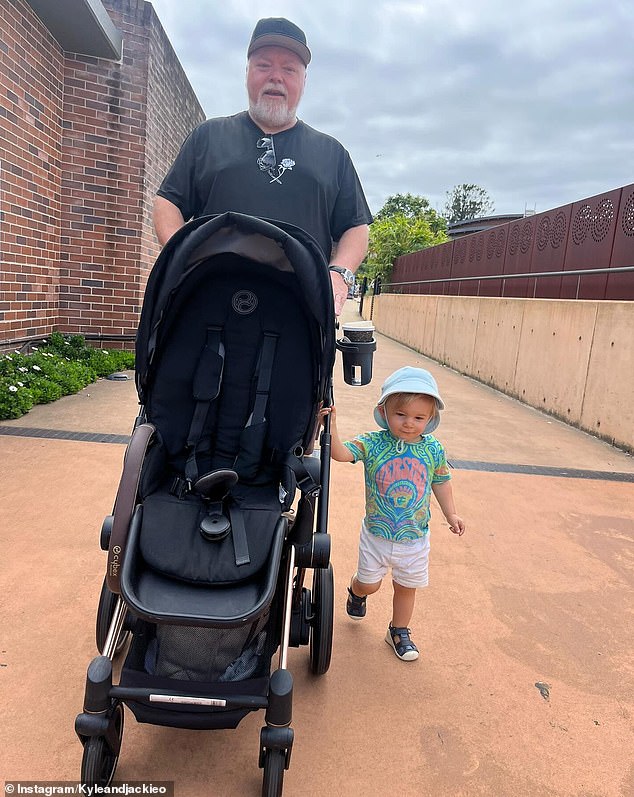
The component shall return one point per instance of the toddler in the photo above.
(404, 463)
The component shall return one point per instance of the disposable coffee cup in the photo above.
(359, 331)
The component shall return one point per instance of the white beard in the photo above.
(271, 113)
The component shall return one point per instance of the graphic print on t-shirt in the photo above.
(402, 484)
(398, 485)
(268, 161)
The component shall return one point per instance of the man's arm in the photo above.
(167, 218)
(351, 248)
(348, 253)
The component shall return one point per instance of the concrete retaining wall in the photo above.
(572, 359)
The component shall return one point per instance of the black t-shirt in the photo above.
(227, 164)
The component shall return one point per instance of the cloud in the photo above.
(533, 101)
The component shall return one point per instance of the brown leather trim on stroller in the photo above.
(126, 502)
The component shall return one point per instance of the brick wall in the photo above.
(85, 144)
(172, 112)
(114, 157)
(31, 89)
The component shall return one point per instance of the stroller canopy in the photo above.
(274, 245)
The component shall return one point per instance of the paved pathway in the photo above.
(525, 685)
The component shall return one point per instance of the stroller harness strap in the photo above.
(239, 535)
(252, 438)
(206, 387)
(264, 378)
(307, 479)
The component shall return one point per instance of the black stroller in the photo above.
(207, 552)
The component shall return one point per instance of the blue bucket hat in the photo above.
(410, 380)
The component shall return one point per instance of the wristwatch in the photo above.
(348, 276)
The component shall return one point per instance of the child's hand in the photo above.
(338, 450)
(327, 411)
(456, 524)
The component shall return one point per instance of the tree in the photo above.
(393, 236)
(405, 223)
(467, 201)
(411, 207)
(406, 205)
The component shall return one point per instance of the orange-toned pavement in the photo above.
(525, 683)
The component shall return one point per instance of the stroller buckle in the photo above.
(215, 527)
(181, 487)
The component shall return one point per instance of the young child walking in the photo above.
(403, 463)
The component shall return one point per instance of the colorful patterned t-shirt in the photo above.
(398, 483)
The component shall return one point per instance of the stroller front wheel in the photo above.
(99, 761)
(274, 765)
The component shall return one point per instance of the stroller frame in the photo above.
(132, 603)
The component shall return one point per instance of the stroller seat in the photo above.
(230, 387)
(157, 597)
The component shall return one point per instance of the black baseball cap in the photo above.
(279, 32)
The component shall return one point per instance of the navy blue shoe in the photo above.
(355, 606)
(401, 644)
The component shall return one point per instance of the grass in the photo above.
(59, 366)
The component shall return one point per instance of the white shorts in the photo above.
(409, 561)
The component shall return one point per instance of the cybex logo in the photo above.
(244, 302)
(115, 561)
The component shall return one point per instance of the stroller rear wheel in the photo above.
(99, 761)
(105, 613)
(274, 765)
(321, 621)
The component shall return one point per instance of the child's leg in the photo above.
(370, 572)
(371, 565)
(361, 590)
(398, 630)
(402, 605)
(409, 572)
(358, 591)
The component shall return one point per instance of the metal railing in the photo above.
(391, 287)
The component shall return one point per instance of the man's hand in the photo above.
(339, 291)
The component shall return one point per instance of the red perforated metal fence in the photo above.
(594, 233)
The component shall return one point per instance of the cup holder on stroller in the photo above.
(213, 487)
(357, 348)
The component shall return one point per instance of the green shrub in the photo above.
(45, 390)
(106, 361)
(12, 364)
(60, 366)
(15, 398)
(70, 375)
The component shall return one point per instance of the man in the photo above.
(266, 162)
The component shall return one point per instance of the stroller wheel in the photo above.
(105, 613)
(274, 765)
(321, 622)
(99, 762)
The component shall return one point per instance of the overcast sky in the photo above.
(533, 100)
